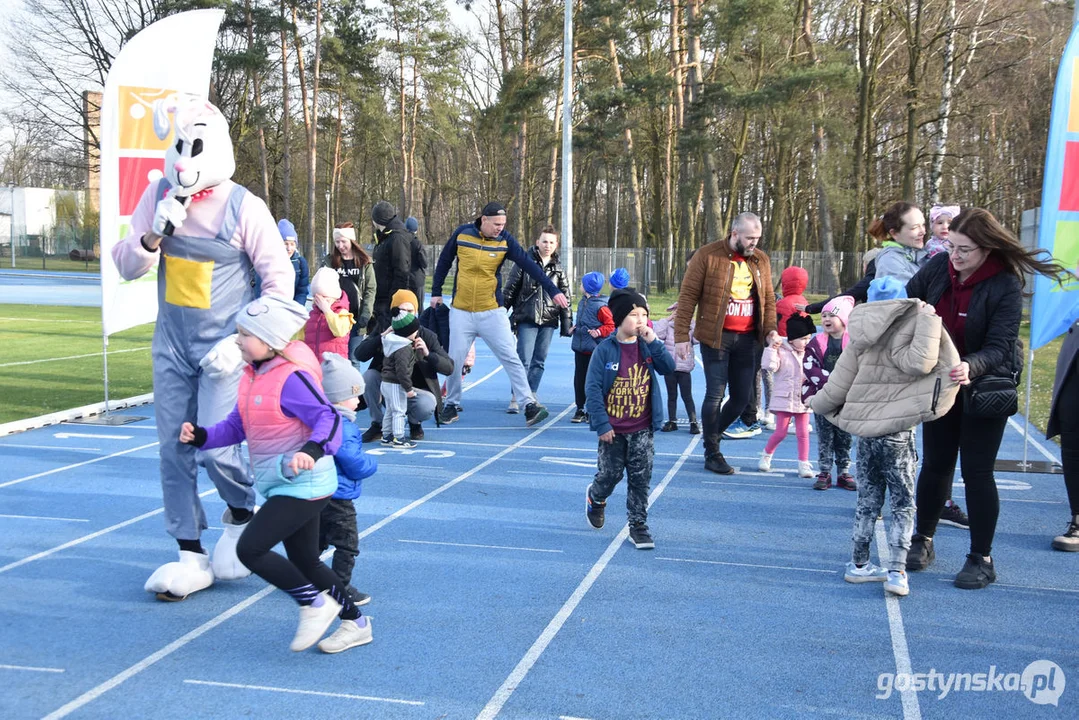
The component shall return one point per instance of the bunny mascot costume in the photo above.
(207, 233)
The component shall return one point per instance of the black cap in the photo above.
(799, 325)
(493, 209)
(622, 302)
(383, 212)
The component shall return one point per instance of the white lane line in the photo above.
(470, 545)
(463, 442)
(382, 465)
(748, 565)
(548, 475)
(757, 485)
(1010, 586)
(16, 481)
(96, 692)
(47, 447)
(28, 668)
(517, 676)
(42, 517)
(50, 321)
(571, 717)
(86, 538)
(1037, 445)
(71, 357)
(292, 691)
(911, 709)
(485, 378)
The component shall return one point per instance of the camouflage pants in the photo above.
(630, 454)
(337, 527)
(832, 442)
(885, 463)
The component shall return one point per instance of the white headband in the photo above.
(348, 233)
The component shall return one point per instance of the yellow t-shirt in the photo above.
(740, 306)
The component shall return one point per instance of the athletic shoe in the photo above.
(921, 553)
(372, 433)
(756, 428)
(669, 426)
(845, 481)
(358, 598)
(402, 444)
(694, 428)
(387, 440)
(977, 572)
(1069, 541)
(593, 509)
(579, 417)
(824, 481)
(640, 537)
(769, 421)
(448, 416)
(534, 413)
(738, 431)
(415, 431)
(718, 464)
(805, 469)
(514, 408)
(953, 515)
(314, 622)
(867, 573)
(897, 584)
(765, 463)
(349, 634)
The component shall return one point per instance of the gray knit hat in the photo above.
(382, 213)
(272, 319)
(340, 381)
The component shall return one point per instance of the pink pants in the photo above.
(801, 430)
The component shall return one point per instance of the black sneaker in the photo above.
(953, 515)
(593, 509)
(358, 598)
(534, 413)
(448, 416)
(415, 431)
(579, 417)
(372, 433)
(694, 428)
(717, 464)
(976, 573)
(921, 554)
(640, 537)
(669, 426)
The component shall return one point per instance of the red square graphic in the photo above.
(135, 173)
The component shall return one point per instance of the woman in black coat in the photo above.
(533, 313)
(1064, 421)
(977, 289)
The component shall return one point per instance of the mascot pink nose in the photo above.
(180, 166)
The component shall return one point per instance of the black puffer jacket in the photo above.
(393, 265)
(992, 327)
(528, 301)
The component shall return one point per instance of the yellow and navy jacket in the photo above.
(478, 284)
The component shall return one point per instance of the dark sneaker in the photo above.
(921, 554)
(824, 481)
(669, 426)
(953, 515)
(976, 573)
(579, 417)
(415, 431)
(694, 428)
(372, 433)
(358, 598)
(534, 413)
(845, 481)
(1069, 541)
(594, 510)
(448, 416)
(400, 444)
(640, 537)
(387, 439)
(717, 464)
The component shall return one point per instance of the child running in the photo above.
(343, 385)
(681, 379)
(625, 408)
(894, 375)
(821, 356)
(784, 360)
(399, 360)
(292, 431)
(593, 323)
(330, 323)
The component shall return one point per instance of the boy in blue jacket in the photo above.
(343, 385)
(624, 399)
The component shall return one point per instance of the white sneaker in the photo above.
(314, 622)
(514, 408)
(896, 583)
(765, 464)
(769, 421)
(805, 469)
(349, 634)
(868, 573)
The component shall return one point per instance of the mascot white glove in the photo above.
(169, 210)
(223, 360)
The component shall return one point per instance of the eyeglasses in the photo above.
(961, 251)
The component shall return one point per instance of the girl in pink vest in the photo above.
(292, 432)
(331, 322)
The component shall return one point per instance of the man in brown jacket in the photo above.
(730, 284)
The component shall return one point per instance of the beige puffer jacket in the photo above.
(894, 375)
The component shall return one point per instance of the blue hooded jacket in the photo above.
(353, 465)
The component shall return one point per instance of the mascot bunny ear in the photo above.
(162, 121)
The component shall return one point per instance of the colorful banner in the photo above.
(174, 55)
(1056, 308)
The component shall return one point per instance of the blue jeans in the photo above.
(731, 365)
(533, 342)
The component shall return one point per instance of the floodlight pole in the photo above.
(567, 141)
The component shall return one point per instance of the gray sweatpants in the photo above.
(396, 407)
(885, 463)
(494, 327)
(420, 408)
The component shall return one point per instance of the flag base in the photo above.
(1040, 467)
(108, 419)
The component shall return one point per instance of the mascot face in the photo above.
(201, 154)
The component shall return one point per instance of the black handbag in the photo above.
(991, 396)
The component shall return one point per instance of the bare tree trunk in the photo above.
(868, 54)
(307, 123)
(312, 141)
(520, 162)
(401, 109)
(286, 122)
(914, 59)
(635, 217)
(410, 196)
(263, 166)
(552, 177)
(712, 208)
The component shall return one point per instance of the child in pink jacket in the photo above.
(330, 323)
(785, 360)
(680, 379)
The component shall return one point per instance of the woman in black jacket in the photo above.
(533, 313)
(977, 289)
(393, 258)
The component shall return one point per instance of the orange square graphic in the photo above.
(137, 118)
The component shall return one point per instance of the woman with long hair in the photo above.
(357, 275)
(977, 289)
(901, 233)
